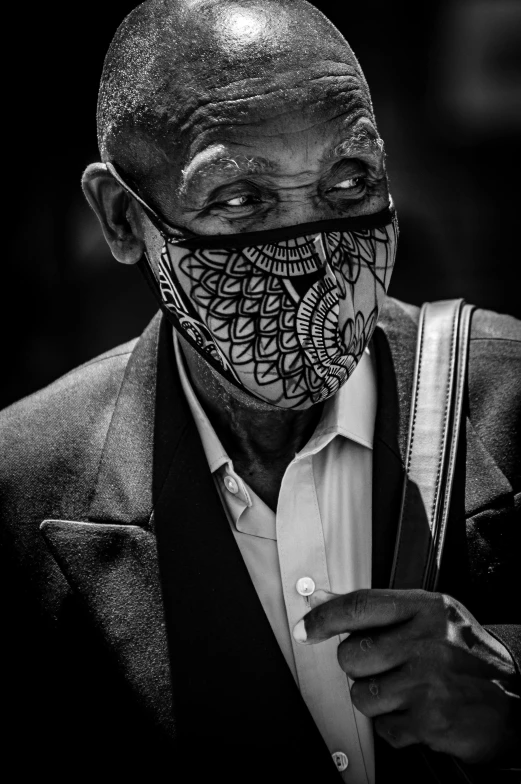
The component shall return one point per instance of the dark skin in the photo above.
(261, 452)
(423, 669)
(288, 157)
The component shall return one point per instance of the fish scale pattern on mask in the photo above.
(289, 320)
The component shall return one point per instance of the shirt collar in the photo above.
(213, 449)
(350, 413)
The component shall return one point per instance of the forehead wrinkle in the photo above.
(196, 96)
(312, 95)
(352, 116)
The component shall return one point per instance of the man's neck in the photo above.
(260, 439)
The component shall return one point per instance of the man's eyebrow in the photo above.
(360, 143)
(226, 165)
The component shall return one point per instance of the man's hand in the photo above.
(423, 668)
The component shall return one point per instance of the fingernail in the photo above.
(299, 632)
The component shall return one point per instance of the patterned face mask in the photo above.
(284, 314)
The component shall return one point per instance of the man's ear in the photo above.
(116, 213)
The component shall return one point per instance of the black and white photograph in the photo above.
(260, 415)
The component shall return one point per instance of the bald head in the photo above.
(232, 116)
(171, 61)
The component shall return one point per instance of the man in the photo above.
(173, 510)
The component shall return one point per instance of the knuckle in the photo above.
(450, 608)
(438, 611)
(356, 653)
(357, 605)
(366, 643)
(454, 610)
(446, 605)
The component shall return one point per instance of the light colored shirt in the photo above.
(321, 531)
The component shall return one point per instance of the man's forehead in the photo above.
(327, 95)
(182, 68)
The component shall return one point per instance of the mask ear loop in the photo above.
(151, 214)
(150, 277)
(144, 264)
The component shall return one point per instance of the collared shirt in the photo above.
(319, 537)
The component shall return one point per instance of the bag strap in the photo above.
(436, 417)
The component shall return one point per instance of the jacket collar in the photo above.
(149, 420)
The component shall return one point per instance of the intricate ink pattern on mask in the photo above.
(288, 321)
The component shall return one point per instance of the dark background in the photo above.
(446, 84)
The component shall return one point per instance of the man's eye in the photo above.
(236, 205)
(239, 201)
(352, 182)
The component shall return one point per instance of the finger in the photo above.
(374, 651)
(396, 729)
(320, 596)
(363, 609)
(381, 694)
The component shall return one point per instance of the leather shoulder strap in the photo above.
(436, 414)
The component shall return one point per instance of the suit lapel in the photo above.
(111, 561)
(137, 454)
(162, 577)
(114, 569)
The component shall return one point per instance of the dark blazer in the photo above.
(134, 642)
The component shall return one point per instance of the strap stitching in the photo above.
(443, 443)
(463, 335)
(407, 495)
(415, 412)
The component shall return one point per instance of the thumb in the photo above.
(320, 596)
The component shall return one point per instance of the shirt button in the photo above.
(231, 485)
(340, 760)
(305, 586)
